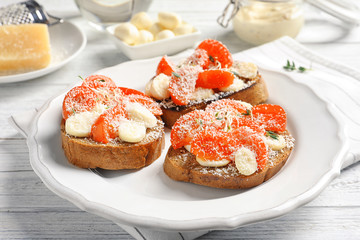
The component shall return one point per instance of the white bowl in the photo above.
(156, 48)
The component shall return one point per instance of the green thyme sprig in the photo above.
(272, 135)
(292, 67)
(176, 74)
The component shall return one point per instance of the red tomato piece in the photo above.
(99, 81)
(128, 91)
(79, 99)
(199, 57)
(211, 144)
(105, 127)
(148, 102)
(165, 66)
(215, 78)
(182, 84)
(217, 52)
(186, 126)
(272, 117)
(227, 105)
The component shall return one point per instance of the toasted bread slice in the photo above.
(181, 165)
(255, 93)
(115, 155)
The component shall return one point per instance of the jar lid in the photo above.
(345, 10)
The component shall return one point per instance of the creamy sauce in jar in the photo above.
(260, 22)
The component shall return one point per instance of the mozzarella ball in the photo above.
(183, 28)
(127, 33)
(144, 37)
(169, 20)
(156, 28)
(141, 20)
(164, 34)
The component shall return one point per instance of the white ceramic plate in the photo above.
(66, 41)
(157, 48)
(148, 198)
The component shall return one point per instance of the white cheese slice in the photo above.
(130, 131)
(237, 85)
(245, 69)
(159, 87)
(202, 93)
(276, 144)
(79, 125)
(212, 163)
(245, 161)
(139, 113)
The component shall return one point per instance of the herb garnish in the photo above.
(291, 67)
(211, 58)
(247, 113)
(272, 135)
(80, 77)
(175, 74)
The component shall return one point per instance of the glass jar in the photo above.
(261, 21)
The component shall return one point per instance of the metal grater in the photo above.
(26, 12)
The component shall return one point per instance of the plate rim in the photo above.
(197, 224)
(20, 77)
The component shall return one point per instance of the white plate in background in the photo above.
(148, 198)
(66, 41)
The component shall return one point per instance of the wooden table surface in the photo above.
(28, 210)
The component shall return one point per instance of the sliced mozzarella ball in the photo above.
(160, 87)
(156, 28)
(212, 163)
(237, 85)
(187, 147)
(144, 37)
(183, 28)
(79, 125)
(127, 33)
(130, 131)
(139, 113)
(148, 88)
(245, 161)
(164, 34)
(245, 69)
(276, 144)
(202, 93)
(169, 20)
(141, 20)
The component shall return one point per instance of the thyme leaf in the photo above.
(292, 67)
(272, 135)
(176, 74)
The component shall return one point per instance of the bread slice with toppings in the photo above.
(110, 127)
(84, 152)
(209, 74)
(253, 92)
(231, 144)
(181, 165)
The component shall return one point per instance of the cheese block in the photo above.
(23, 48)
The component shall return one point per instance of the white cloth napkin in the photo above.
(334, 82)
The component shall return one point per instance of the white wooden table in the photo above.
(28, 210)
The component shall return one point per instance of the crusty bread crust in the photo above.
(181, 165)
(255, 94)
(86, 153)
